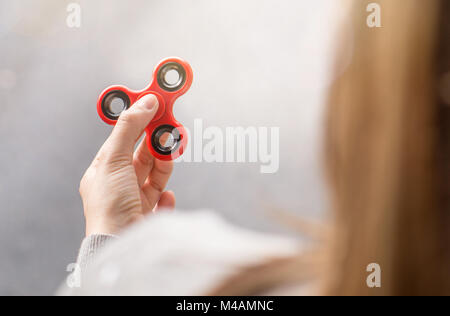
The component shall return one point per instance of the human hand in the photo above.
(122, 185)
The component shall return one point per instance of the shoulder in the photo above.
(180, 253)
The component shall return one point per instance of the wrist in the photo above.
(101, 227)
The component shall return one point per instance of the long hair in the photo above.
(384, 156)
(387, 160)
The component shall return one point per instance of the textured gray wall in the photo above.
(256, 63)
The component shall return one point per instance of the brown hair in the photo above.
(383, 157)
(387, 151)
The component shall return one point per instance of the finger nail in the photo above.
(149, 101)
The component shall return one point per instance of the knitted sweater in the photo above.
(173, 254)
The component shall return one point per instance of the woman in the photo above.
(387, 155)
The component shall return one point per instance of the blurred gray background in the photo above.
(256, 63)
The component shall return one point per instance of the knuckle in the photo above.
(145, 159)
(127, 117)
(157, 186)
(166, 169)
(169, 167)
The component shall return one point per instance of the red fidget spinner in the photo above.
(166, 137)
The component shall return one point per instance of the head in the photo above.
(387, 153)
(387, 160)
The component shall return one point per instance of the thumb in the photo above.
(132, 123)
